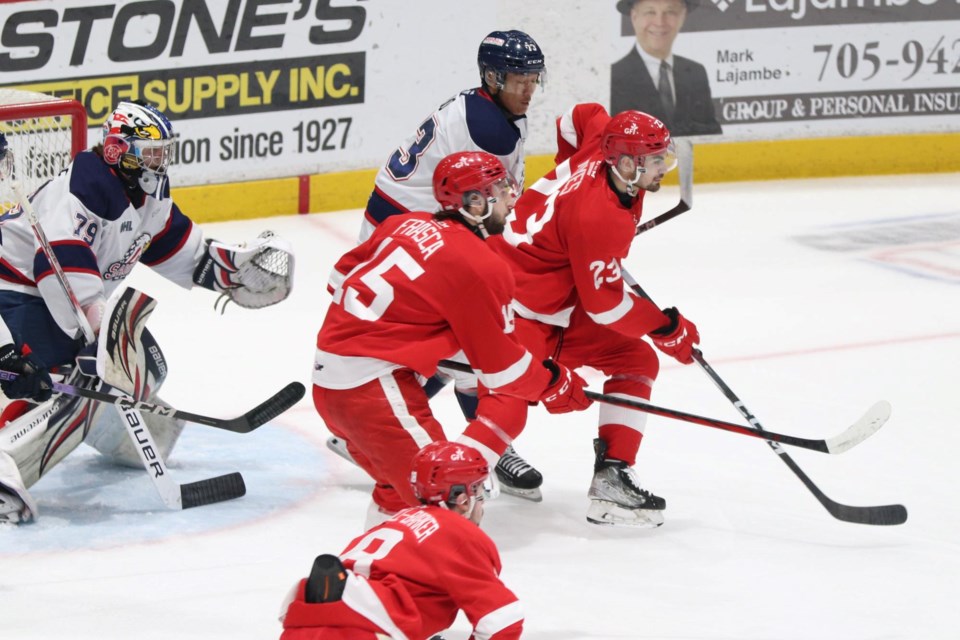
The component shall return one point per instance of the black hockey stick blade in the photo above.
(212, 490)
(880, 515)
(256, 417)
(265, 411)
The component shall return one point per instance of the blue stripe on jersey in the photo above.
(96, 186)
(379, 207)
(10, 274)
(489, 126)
(73, 255)
(170, 240)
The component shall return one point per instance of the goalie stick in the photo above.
(251, 420)
(173, 494)
(890, 514)
(868, 424)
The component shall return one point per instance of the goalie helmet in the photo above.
(443, 470)
(463, 173)
(504, 52)
(138, 140)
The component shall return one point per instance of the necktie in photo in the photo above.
(665, 89)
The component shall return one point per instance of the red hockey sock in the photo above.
(622, 442)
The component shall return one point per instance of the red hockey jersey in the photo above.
(570, 234)
(410, 576)
(418, 291)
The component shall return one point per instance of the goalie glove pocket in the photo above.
(253, 275)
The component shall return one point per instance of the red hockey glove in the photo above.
(677, 338)
(565, 392)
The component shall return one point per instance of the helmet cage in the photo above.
(138, 138)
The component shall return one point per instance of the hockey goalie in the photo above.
(109, 210)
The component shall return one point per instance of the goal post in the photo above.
(42, 134)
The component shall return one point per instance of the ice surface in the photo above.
(813, 299)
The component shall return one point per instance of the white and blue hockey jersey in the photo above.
(98, 234)
(470, 121)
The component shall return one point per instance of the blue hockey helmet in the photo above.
(504, 52)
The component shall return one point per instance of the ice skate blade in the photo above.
(533, 495)
(339, 447)
(610, 514)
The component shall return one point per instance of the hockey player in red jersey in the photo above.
(490, 118)
(422, 288)
(573, 228)
(408, 577)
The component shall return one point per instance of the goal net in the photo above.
(40, 135)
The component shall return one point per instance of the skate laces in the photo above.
(513, 463)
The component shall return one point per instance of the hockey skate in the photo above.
(339, 447)
(616, 497)
(517, 477)
(12, 509)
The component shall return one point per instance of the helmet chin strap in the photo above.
(478, 220)
(632, 187)
(148, 181)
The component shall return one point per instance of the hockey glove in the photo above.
(33, 381)
(254, 275)
(677, 338)
(565, 391)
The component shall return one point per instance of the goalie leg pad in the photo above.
(42, 437)
(127, 356)
(16, 503)
(253, 275)
(109, 436)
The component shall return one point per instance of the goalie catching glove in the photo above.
(254, 275)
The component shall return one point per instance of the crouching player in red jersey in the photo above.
(408, 577)
(572, 230)
(422, 288)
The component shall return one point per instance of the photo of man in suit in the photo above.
(653, 80)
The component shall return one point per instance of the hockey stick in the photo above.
(27, 206)
(866, 426)
(173, 494)
(685, 169)
(251, 420)
(889, 514)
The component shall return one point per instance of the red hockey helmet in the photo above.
(635, 134)
(443, 470)
(460, 173)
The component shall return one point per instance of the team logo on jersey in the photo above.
(122, 267)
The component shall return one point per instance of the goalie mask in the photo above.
(138, 140)
(639, 143)
(443, 471)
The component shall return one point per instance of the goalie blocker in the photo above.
(253, 275)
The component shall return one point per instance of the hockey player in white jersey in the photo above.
(491, 118)
(109, 210)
